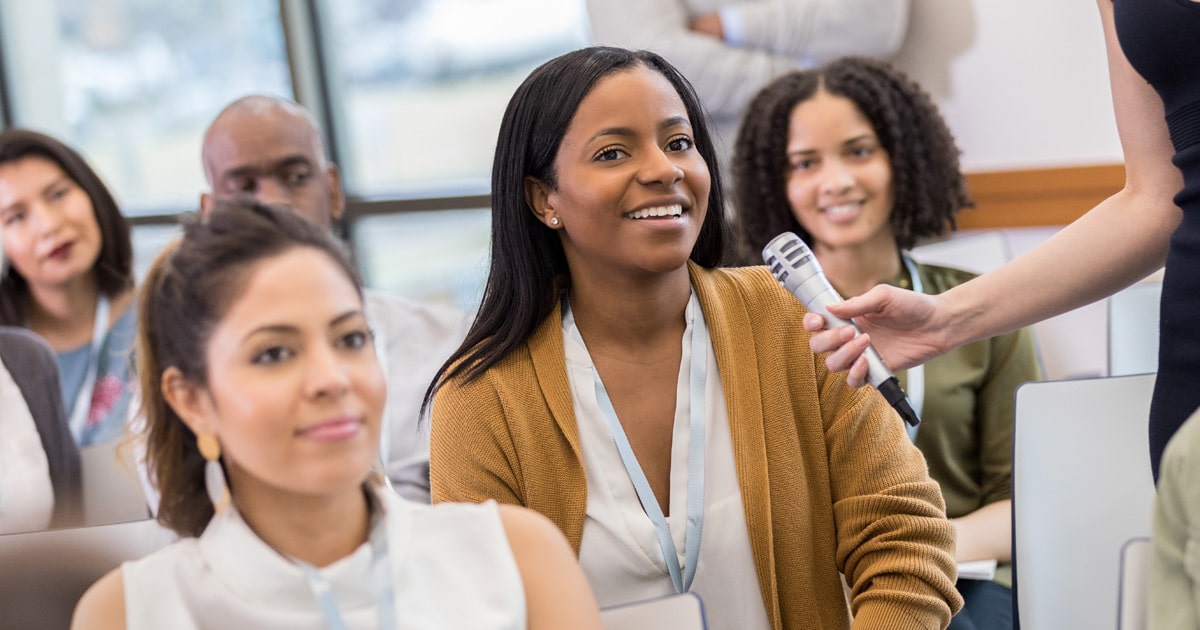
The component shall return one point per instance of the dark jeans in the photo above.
(987, 606)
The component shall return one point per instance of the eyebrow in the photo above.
(57, 181)
(250, 170)
(801, 152)
(673, 121)
(288, 329)
(20, 203)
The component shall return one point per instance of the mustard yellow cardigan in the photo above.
(829, 480)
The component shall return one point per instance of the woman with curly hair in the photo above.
(855, 159)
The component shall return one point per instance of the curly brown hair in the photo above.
(929, 186)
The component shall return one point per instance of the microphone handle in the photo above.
(880, 377)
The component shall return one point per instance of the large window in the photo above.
(133, 83)
(410, 93)
(437, 256)
(421, 85)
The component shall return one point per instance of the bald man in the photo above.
(270, 149)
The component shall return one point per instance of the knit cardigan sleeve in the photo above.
(510, 435)
(892, 540)
(472, 457)
(894, 543)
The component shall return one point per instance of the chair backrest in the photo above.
(1135, 579)
(112, 492)
(43, 574)
(1081, 488)
(676, 612)
(1133, 329)
(978, 252)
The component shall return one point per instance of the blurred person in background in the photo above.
(68, 276)
(729, 49)
(1174, 589)
(270, 150)
(40, 483)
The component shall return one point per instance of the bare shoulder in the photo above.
(557, 594)
(102, 606)
(527, 528)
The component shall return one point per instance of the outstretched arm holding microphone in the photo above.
(1120, 241)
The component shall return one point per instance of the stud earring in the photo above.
(554, 221)
(214, 476)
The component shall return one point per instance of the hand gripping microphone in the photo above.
(797, 269)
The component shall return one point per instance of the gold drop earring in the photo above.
(214, 475)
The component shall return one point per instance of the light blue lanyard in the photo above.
(695, 479)
(916, 375)
(381, 575)
(83, 400)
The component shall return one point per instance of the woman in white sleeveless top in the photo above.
(263, 398)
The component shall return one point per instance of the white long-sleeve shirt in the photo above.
(775, 37)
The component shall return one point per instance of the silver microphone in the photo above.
(797, 269)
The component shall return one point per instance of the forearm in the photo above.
(985, 534)
(1117, 243)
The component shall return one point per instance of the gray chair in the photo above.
(1135, 582)
(112, 492)
(1081, 489)
(43, 574)
(1133, 329)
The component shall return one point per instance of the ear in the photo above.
(206, 204)
(337, 197)
(539, 197)
(189, 401)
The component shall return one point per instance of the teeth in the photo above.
(661, 211)
(842, 209)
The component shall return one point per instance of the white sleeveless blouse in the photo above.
(451, 568)
(26, 493)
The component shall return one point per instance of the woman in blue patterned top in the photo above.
(68, 276)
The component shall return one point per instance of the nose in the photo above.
(659, 168)
(327, 373)
(836, 178)
(47, 220)
(270, 191)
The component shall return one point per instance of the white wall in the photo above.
(1023, 83)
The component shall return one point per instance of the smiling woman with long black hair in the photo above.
(667, 415)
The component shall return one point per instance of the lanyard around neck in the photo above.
(381, 576)
(915, 386)
(681, 579)
(83, 399)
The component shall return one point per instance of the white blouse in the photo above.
(26, 493)
(620, 553)
(451, 567)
